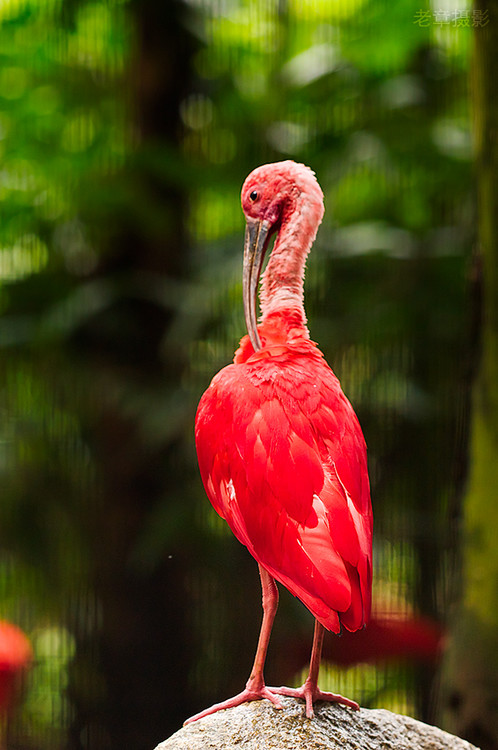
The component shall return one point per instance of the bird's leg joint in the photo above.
(269, 593)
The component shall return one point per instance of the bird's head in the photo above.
(271, 194)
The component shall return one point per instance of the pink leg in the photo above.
(255, 688)
(310, 690)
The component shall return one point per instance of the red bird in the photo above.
(281, 453)
(16, 656)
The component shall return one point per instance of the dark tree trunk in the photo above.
(471, 669)
(142, 635)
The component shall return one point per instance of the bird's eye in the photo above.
(253, 196)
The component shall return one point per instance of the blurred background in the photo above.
(126, 131)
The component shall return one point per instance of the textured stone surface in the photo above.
(259, 726)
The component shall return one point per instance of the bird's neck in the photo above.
(283, 280)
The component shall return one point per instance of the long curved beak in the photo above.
(255, 244)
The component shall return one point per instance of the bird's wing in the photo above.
(287, 470)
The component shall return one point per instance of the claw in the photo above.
(308, 692)
(249, 694)
(312, 694)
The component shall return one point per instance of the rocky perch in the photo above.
(259, 726)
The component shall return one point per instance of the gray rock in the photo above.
(259, 726)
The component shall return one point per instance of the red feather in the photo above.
(283, 460)
(281, 452)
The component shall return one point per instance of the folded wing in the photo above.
(289, 475)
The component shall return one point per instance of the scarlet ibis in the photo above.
(16, 656)
(390, 637)
(281, 452)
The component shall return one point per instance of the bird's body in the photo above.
(281, 453)
(282, 458)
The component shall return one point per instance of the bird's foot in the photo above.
(250, 693)
(311, 693)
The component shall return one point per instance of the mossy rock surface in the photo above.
(259, 726)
